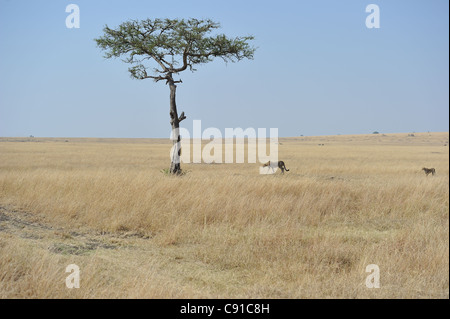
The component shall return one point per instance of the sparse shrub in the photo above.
(166, 172)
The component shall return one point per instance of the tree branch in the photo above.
(159, 62)
(182, 117)
(156, 78)
(185, 62)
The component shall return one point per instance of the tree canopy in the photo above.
(174, 44)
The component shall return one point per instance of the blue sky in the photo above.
(318, 70)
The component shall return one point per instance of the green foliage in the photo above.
(166, 172)
(173, 44)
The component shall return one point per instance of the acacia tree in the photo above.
(173, 46)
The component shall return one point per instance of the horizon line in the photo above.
(87, 137)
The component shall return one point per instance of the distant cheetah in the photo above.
(279, 164)
(428, 171)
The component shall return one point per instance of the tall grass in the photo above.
(226, 231)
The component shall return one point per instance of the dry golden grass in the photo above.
(224, 230)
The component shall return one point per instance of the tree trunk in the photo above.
(175, 167)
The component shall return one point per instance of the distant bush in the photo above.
(376, 132)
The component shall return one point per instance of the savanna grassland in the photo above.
(224, 230)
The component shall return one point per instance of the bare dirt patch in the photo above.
(28, 226)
